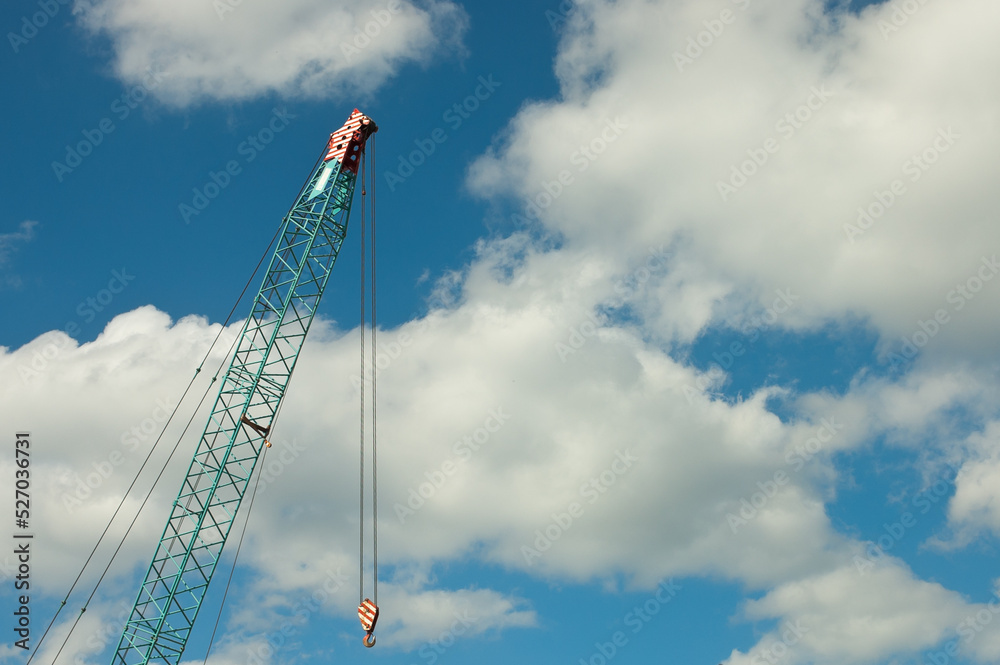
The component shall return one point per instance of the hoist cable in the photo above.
(361, 484)
(143, 466)
(374, 401)
(368, 364)
(253, 495)
(128, 530)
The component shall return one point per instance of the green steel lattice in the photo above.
(314, 229)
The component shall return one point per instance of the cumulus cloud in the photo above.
(846, 616)
(586, 468)
(234, 50)
(104, 405)
(974, 508)
(843, 111)
(785, 149)
(546, 420)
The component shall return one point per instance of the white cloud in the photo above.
(439, 615)
(665, 138)
(975, 506)
(236, 49)
(803, 117)
(846, 617)
(881, 102)
(105, 402)
(561, 433)
(550, 432)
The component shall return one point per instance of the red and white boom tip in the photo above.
(347, 143)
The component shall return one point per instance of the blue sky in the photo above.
(708, 285)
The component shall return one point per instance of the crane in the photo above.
(245, 410)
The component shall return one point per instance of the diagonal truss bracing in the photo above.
(201, 517)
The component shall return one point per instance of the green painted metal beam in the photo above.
(200, 520)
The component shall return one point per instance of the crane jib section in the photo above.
(251, 392)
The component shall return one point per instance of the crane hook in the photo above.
(368, 613)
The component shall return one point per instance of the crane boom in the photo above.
(251, 392)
